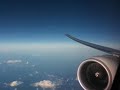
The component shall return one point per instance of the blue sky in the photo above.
(46, 21)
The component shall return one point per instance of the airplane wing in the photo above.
(95, 46)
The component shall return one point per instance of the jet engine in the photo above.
(97, 73)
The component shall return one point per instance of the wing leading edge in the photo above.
(95, 46)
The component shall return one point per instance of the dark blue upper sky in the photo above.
(49, 20)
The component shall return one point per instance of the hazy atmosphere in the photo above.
(35, 54)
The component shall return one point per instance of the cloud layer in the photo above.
(13, 61)
(15, 83)
(45, 84)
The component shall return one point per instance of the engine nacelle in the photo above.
(97, 73)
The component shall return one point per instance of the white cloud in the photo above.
(36, 72)
(33, 65)
(31, 75)
(45, 84)
(27, 62)
(13, 61)
(15, 83)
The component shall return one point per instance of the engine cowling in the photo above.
(97, 73)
